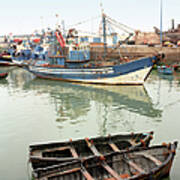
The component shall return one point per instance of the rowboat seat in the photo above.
(114, 147)
(152, 158)
(135, 166)
(66, 149)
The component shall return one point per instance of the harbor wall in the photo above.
(172, 54)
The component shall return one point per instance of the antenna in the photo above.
(57, 22)
(101, 6)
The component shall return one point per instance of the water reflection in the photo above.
(58, 110)
(164, 89)
(73, 100)
(3, 82)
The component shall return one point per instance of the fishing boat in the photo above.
(165, 70)
(57, 152)
(3, 75)
(6, 60)
(77, 66)
(136, 164)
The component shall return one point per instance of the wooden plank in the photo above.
(132, 142)
(114, 147)
(31, 158)
(152, 158)
(74, 153)
(111, 171)
(92, 147)
(59, 173)
(103, 163)
(86, 174)
(56, 149)
(135, 166)
(71, 149)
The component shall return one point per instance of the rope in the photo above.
(118, 26)
(84, 21)
(123, 26)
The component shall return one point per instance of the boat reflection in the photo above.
(74, 100)
(3, 82)
(106, 106)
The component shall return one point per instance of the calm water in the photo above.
(34, 110)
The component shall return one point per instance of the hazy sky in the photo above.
(22, 16)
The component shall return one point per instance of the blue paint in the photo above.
(133, 66)
(115, 71)
(80, 55)
(115, 39)
(96, 39)
(84, 39)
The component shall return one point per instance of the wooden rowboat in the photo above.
(42, 155)
(135, 164)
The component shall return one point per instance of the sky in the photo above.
(23, 17)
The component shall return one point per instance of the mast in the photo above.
(104, 34)
(161, 28)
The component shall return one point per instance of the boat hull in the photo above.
(6, 61)
(134, 72)
(41, 155)
(137, 164)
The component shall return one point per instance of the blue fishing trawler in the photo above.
(77, 66)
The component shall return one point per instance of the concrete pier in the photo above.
(172, 54)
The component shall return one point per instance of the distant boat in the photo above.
(3, 75)
(176, 67)
(165, 70)
(6, 60)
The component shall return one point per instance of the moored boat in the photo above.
(6, 60)
(176, 67)
(165, 70)
(136, 164)
(131, 73)
(42, 155)
(78, 66)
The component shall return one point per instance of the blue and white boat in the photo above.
(78, 67)
(134, 72)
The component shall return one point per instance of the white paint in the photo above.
(136, 77)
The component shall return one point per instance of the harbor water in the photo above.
(34, 110)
